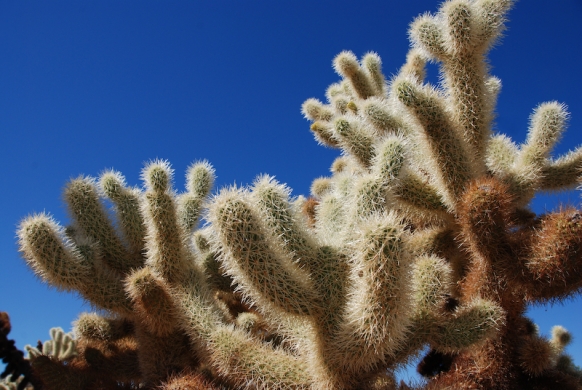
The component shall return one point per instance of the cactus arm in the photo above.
(428, 38)
(199, 182)
(244, 361)
(562, 173)
(418, 195)
(252, 262)
(272, 200)
(389, 160)
(415, 65)
(356, 139)
(547, 125)
(448, 331)
(346, 64)
(152, 301)
(484, 216)
(376, 112)
(457, 37)
(315, 110)
(200, 179)
(447, 153)
(554, 257)
(468, 326)
(548, 267)
(188, 208)
(548, 122)
(492, 90)
(324, 134)
(465, 78)
(95, 327)
(165, 237)
(324, 267)
(378, 303)
(373, 68)
(490, 21)
(501, 155)
(237, 358)
(331, 219)
(50, 255)
(82, 198)
(370, 192)
(127, 211)
(66, 266)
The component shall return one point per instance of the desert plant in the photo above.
(61, 346)
(463, 191)
(421, 237)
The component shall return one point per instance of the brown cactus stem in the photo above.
(484, 217)
(495, 245)
(554, 257)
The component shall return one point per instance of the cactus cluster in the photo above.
(61, 346)
(421, 238)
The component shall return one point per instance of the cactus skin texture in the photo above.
(420, 238)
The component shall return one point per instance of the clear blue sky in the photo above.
(90, 85)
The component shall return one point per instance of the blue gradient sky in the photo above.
(90, 85)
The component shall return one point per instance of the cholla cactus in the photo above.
(420, 237)
(352, 310)
(164, 318)
(61, 346)
(461, 191)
